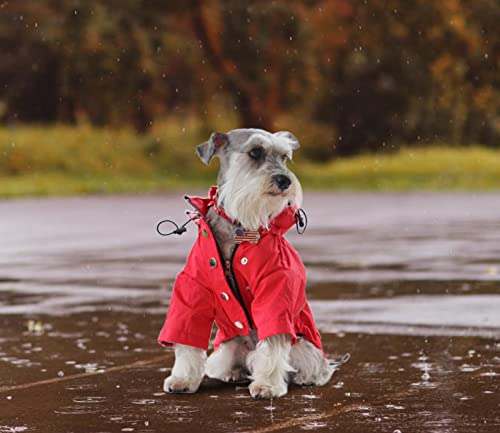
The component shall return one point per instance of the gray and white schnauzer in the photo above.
(245, 276)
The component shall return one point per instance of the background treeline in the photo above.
(345, 75)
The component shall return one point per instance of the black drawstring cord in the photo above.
(178, 230)
(300, 221)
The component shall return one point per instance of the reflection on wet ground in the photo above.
(409, 285)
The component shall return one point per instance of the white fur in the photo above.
(279, 143)
(248, 196)
(270, 367)
(228, 362)
(312, 368)
(188, 370)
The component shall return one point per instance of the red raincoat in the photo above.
(269, 294)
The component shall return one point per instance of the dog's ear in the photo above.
(208, 149)
(294, 142)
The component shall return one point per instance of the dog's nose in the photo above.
(282, 181)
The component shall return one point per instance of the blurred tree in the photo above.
(396, 73)
(253, 47)
(355, 76)
(110, 62)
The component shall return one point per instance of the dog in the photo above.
(245, 276)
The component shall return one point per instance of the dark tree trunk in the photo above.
(251, 110)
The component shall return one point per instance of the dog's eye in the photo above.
(256, 153)
(285, 158)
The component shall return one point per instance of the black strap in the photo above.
(300, 221)
(178, 230)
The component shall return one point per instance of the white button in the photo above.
(239, 324)
(224, 296)
(244, 261)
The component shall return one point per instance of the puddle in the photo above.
(314, 425)
(408, 284)
(90, 400)
(451, 315)
(145, 401)
(13, 429)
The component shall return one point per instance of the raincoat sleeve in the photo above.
(190, 315)
(273, 305)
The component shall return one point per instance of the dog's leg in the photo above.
(188, 370)
(227, 363)
(269, 365)
(312, 368)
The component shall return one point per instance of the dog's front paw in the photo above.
(266, 390)
(185, 385)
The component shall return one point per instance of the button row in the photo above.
(213, 261)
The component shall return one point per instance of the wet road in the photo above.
(408, 284)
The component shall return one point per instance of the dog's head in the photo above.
(255, 184)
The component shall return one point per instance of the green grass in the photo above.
(418, 168)
(62, 160)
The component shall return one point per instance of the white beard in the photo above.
(246, 198)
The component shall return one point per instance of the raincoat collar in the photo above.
(279, 225)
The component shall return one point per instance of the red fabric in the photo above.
(271, 283)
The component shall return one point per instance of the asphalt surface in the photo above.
(408, 284)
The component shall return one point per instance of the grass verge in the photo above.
(64, 160)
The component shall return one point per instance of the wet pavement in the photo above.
(408, 284)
